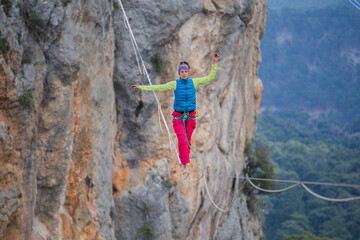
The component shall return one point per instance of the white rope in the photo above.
(195, 180)
(355, 3)
(133, 45)
(305, 182)
(290, 181)
(159, 108)
(307, 189)
(129, 28)
(296, 183)
(272, 191)
(140, 59)
(330, 199)
(232, 202)
(137, 59)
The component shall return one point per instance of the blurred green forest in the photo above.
(310, 119)
(307, 149)
(306, 236)
(311, 62)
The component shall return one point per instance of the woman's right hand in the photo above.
(134, 87)
(215, 58)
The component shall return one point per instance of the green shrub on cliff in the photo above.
(26, 60)
(28, 100)
(146, 232)
(258, 164)
(7, 5)
(4, 46)
(168, 184)
(157, 62)
(65, 2)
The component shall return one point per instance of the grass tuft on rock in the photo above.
(168, 184)
(146, 232)
(65, 2)
(157, 62)
(4, 46)
(6, 5)
(26, 60)
(28, 100)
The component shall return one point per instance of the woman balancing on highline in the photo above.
(184, 106)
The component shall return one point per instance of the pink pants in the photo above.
(190, 125)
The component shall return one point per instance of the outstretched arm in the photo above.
(156, 88)
(198, 81)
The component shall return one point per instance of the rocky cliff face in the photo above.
(82, 155)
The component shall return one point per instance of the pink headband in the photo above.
(183, 67)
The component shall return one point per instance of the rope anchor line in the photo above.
(303, 184)
(247, 179)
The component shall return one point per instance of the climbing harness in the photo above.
(184, 118)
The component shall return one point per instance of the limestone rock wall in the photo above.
(82, 155)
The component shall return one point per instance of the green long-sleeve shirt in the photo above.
(172, 85)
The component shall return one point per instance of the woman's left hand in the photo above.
(215, 58)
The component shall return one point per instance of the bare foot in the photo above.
(184, 168)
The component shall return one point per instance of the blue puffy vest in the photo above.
(185, 95)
